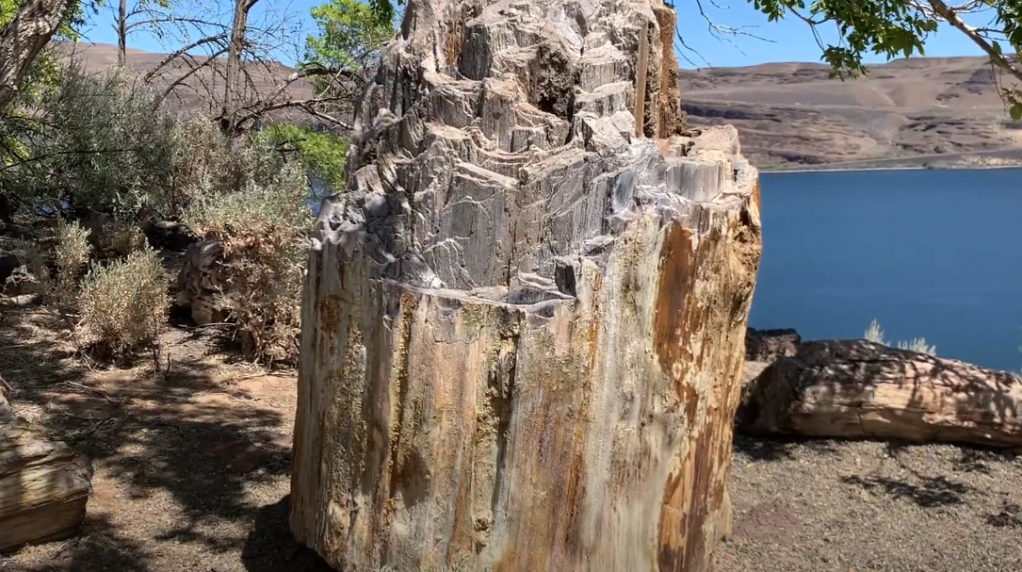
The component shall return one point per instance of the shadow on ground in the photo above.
(777, 449)
(180, 451)
(929, 492)
(270, 547)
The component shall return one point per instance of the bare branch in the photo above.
(180, 52)
(191, 71)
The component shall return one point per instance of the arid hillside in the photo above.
(916, 112)
(263, 80)
(921, 111)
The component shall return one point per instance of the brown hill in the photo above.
(263, 80)
(920, 111)
(914, 112)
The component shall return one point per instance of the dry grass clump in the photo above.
(123, 304)
(874, 333)
(918, 345)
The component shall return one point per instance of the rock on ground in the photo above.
(523, 324)
(44, 485)
(859, 389)
(770, 345)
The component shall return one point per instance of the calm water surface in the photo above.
(936, 254)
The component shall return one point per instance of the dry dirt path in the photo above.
(191, 463)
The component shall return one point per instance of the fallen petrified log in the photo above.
(523, 324)
(44, 485)
(165, 234)
(859, 389)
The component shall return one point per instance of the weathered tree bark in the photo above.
(858, 389)
(201, 280)
(44, 485)
(23, 38)
(122, 33)
(524, 323)
(232, 79)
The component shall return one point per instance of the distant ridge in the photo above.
(910, 112)
(96, 58)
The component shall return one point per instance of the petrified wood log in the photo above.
(44, 485)
(524, 323)
(858, 389)
(200, 281)
(770, 345)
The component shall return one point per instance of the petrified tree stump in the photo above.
(858, 389)
(524, 324)
(44, 485)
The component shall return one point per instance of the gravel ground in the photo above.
(832, 505)
(191, 473)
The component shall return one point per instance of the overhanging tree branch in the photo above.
(997, 57)
(23, 38)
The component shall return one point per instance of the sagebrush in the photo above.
(123, 304)
(71, 252)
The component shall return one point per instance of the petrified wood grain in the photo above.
(524, 323)
(858, 389)
(44, 485)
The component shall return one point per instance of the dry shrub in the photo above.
(201, 161)
(71, 254)
(124, 303)
(260, 227)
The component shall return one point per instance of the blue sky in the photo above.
(789, 40)
(786, 41)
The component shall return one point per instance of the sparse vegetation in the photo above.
(874, 333)
(260, 226)
(918, 345)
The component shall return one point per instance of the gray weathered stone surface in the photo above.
(44, 485)
(523, 325)
(200, 281)
(18, 270)
(771, 345)
(858, 389)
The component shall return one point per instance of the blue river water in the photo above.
(929, 253)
